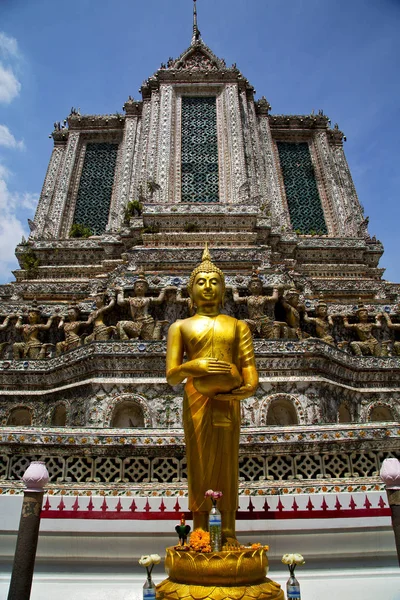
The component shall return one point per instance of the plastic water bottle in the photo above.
(149, 590)
(293, 589)
(214, 524)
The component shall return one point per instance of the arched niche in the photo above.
(20, 416)
(380, 412)
(59, 416)
(344, 415)
(281, 411)
(127, 413)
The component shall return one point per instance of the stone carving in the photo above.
(31, 347)
(394, 327)
(322, 321)
(293, 310)
(3, 326)
(101, 332)
(367, 345)
(142, 325)
(261, 319)
(174, 301)
(71, 328)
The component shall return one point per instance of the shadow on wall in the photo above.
(127, 414)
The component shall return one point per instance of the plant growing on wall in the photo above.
(29, 262)
(133, 208)
(80, 231)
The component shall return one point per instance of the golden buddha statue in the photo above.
(220, 371)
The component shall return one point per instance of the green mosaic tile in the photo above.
(199, 149)
(95, 186)
(302, 195)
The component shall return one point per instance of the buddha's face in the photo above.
(208, 289)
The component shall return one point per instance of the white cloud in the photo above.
(8, 45)
(11, 227)
(8, 140)
(9, 85)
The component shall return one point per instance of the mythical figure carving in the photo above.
(323, 322)
(261, 310)
(173, 303)
(142, 324)
(101, 331)
(31, 347)
(220, 371)
(3, 326)
(293, 310)
(394, 327)
(71, 328)
(367, 345)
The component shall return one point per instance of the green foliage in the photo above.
(80, 231)
(191, 227)
(151, 229)
(29, 262)
(132, 209)
(152, 186)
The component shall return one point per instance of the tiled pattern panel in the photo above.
(199, 150)
(95, 186)
(302, 195)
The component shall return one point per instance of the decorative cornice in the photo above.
(298, 121)
(133, 107)
(79, 122)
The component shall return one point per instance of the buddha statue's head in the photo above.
(207, 282)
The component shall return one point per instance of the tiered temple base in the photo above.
(238, 574)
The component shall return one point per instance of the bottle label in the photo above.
(215, 521)
(293, 593)
(149, 594)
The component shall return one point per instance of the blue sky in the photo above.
(338, 55)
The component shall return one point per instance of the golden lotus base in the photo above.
(233, 574)
(169, 590)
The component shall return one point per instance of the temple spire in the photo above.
(196, 33)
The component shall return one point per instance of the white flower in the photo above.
(287, 559)
(293, 559)
(155, 559)
(145, 561)
(298, 559)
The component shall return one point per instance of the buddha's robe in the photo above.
(212, 426)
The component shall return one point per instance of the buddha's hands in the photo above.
(240, 393)
(201, 367)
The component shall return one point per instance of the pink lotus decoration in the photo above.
(390, 473)
(36, 476)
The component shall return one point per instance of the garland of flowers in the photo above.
(200, 541)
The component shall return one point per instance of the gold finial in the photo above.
(206, 254)
(206, 266)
